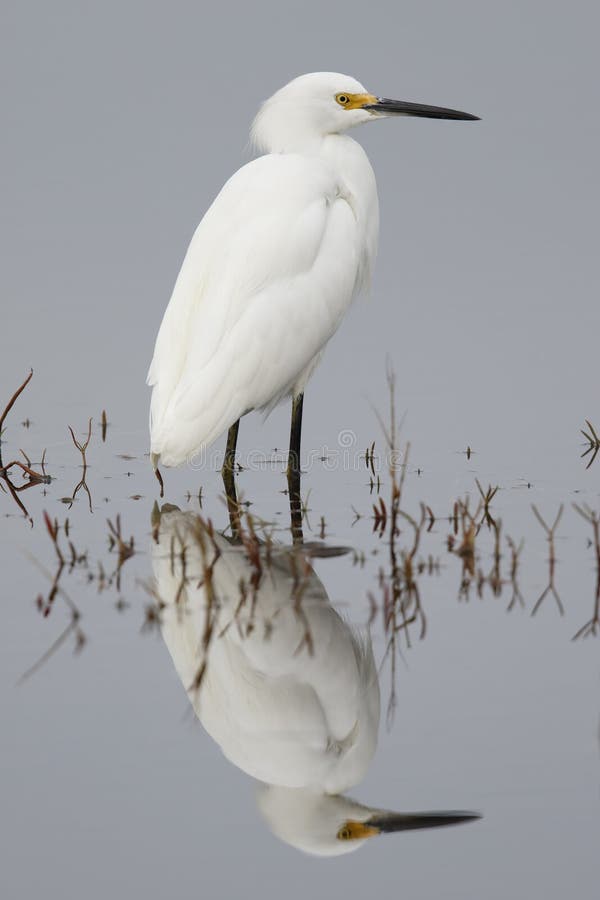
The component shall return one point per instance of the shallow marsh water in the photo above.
(484, 706)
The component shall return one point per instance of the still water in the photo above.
(199, 701)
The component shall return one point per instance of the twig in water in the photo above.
(12, 402)
(33, 477)
(487, 497)
(593, 443)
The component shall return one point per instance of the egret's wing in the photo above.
(267, 277)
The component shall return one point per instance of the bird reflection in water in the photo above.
(285, 686)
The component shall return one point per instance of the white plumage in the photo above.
(270, 271)
(273, 266)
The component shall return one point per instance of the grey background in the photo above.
(120, 122)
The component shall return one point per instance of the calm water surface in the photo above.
(486, 665)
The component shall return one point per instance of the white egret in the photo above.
(289, 690)
(271, 269)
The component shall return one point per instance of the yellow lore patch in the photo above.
(355, 101)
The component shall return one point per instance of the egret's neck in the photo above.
(276, 130)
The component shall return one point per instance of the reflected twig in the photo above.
(463, 518)
(252, 547)
(82, 447)
(494, 578)
(45, 604)
(593, 626)
(52, 529)
(204, 535)
(80, 640)
(515, 553)
(550, 535)
(374, 479)
(410, 605)
(125, 549)
(486, 497)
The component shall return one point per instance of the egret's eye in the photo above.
(344, 834)
(342, 99)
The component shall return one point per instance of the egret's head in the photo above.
(329, 825)
(322, 103)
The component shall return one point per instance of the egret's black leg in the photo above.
(293, 469)
(228, 475)
(232, 436)
(295, 434)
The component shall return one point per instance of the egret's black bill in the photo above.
(389, 822)
(404, 108)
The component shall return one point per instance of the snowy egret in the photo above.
(289, 690)
(271, 269)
